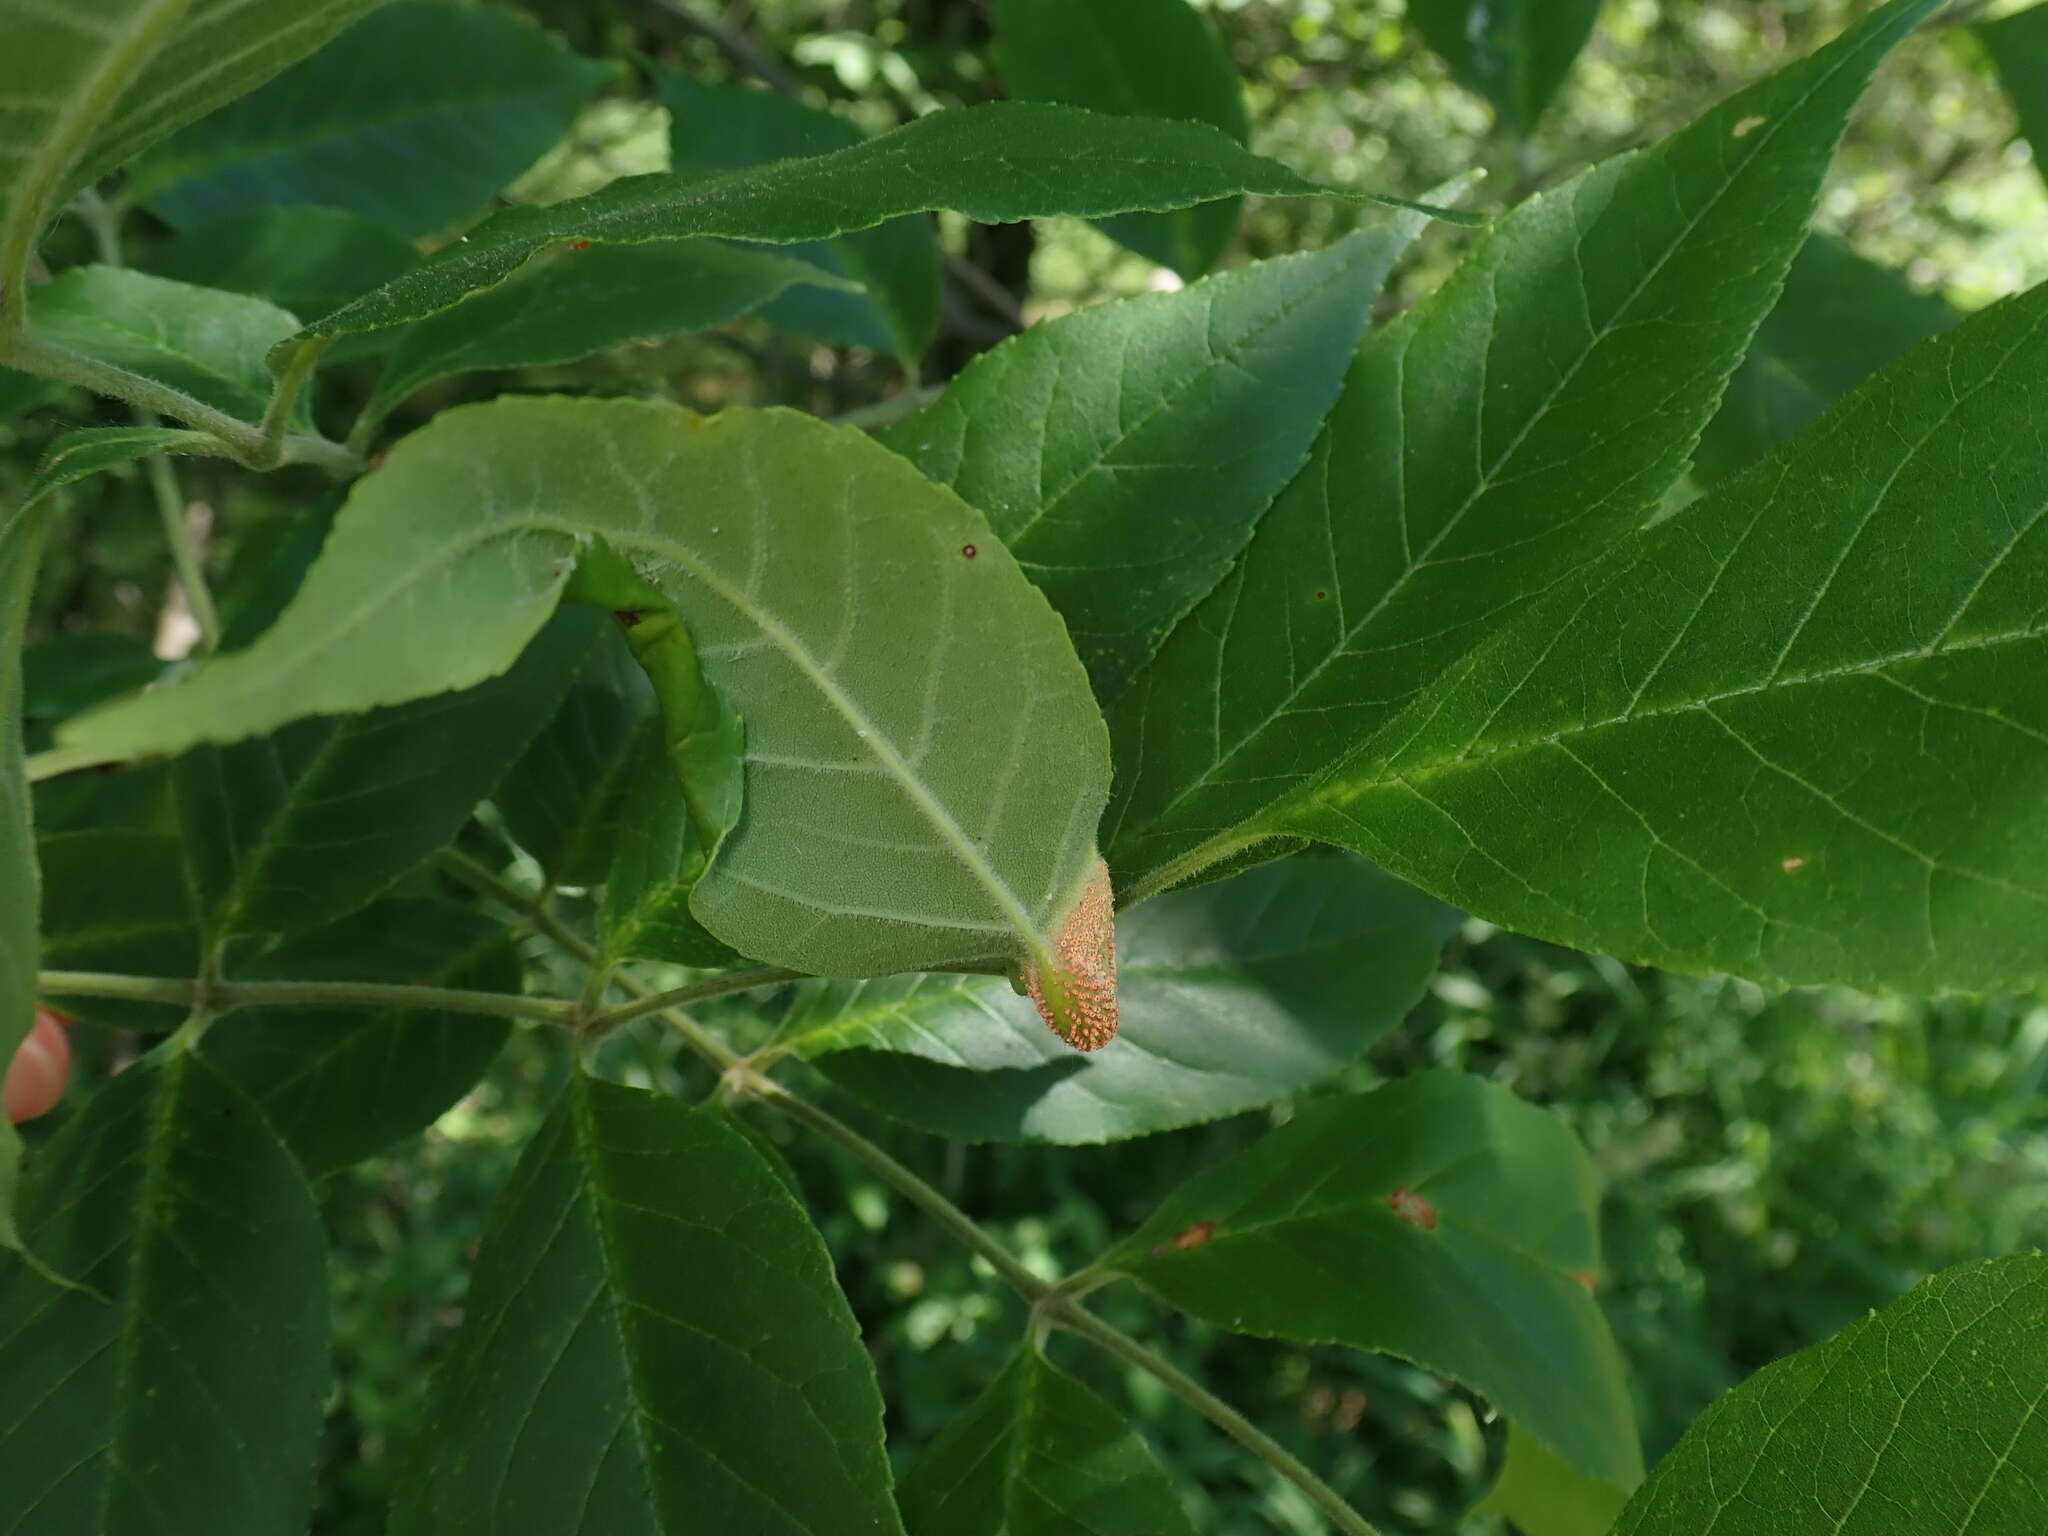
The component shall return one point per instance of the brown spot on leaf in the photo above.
(1792, 864)
(579, 245)
(1587, 1278)
(1076, 994)
(629, 618)
(1412, 1208)
(968, 551)
(1194, 1236)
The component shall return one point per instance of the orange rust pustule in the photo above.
(1077, 996)
(1412, 1208)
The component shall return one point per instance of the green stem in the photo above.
(220, 996)
(894, 408)
(284, 394)
(242, 442)
(648, 1002)
(1064, 1312)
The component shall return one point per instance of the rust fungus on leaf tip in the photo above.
(1412, 1208)
(1076, 995)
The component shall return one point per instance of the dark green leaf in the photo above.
(1231, 996)
(1540, 1494)
(306, 260)
(1515, 53)
(21, 393)
(646, 913)
(61, 675)
(727, 127)
(304, 826)
(788, 545)
(1840, 319)
(996, 164)
(1038, 1454)
(653, 1342)
(564, 801)
(1135, 58)
(1802, 724)
(585, 302)
(1487, 442)
(1440, 1219)
(1922, 1418)
(204, 341)
(183, 1391)
(340, 1085)
(2018, 45)
(1124, 453)
(118, 901)
(417, 115)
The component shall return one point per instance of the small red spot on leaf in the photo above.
(1587, 1278)
(1412, 1208)
(579, 245)
(968, 551)
(1194, 1236)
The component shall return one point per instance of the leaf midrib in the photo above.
(1484, 482)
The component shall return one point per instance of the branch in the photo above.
(740, 51)
(223, 995)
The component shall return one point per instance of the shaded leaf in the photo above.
(564, 801)
(204, 341)
(1515, 53)
(996, 164)
(2018, 46)
(1124, 453)
(646, 913)
(1802, 722)
(304, 826)
(1439, 1218)
(1540, 1493)
(1231, 996)
(1136, 58)
(653, 1341)
(21, 393)
(306, 260)
(788, 545)
(1923, 1417)
(1038, 1454)
(1839, 320)
(1486, 443)
(340, 1085)
(183, 1391)
(60, 675)
(416, 115)
(727, 127)
(586, 302)
(118, 901)
(79, 455)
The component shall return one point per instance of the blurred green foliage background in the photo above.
(1776, 1164)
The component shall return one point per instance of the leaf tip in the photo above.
(1076, 992)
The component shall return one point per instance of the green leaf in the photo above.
(1440, 1219)
(21, 393)
(1515, 53)
(586, 302)
(1038, 1454)
(183, 1391)
(1540, 1494)
(340, 1085)
(1840, 319)
(118, 901)
(308, 824)
(60, 675)
(1137, 58)
(1124, 453)
(90, 82)
(564, 801)
(1923, 1417)
(1487, 443)
(2018, 46)
(646, 913)
(1802, 722)
(727, 127)
(306, 260)
(996, 164)
(21, 550)
(79, 455)
(887, 829)
(208, 343)
(414, 117)
(1231, 996)
(654, 1342)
